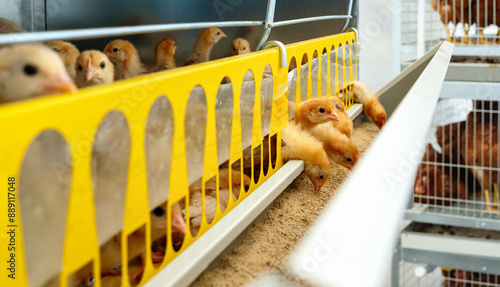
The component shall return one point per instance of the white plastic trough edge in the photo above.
(194, 260)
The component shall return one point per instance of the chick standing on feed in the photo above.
(204, 44)
(68, 53)
(28, 71)
(93, 68)
(126, 58)
(299, 144)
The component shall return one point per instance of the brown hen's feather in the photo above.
(479, 147)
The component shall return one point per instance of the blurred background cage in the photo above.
(102, 166)
(471, 25)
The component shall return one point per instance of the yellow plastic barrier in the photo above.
(77, 117)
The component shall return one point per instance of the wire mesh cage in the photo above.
(428, 275)
(444, 255)
(459, 174)
(469, 24)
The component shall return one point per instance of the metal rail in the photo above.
(79, 34)
(269, 22)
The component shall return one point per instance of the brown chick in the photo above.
(345, 123)
(339, 148)
(93, 68)
(195, 200)
(68, 53)
(126, 58)
(164, 55)
(28, 71)
(240, 46)
(204, 44)
(7, 26)
(299, 144)
(313, 112)
(371, 105)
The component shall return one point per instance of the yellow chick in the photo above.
(297, 143)
(164, 55)
(68, 53)
(204, 44)
(126, 58)
(93, 68)
(240, 46)
(338, 146)
(7, 26)
(28, 71)
(371, 105)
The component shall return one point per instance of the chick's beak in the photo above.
(317, 186)
(178, 223)
(61, 83)
(90, 72)
(333, 116)
(222, 35)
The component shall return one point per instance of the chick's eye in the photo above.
(349, 159)
(55, 50)
(218, 33)
(321, 176)
(115, 50)
(103, 65)
(321, 110)
(30, 70)
(79, 67)
(158, 211)
(234, 49)
(244, 48)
